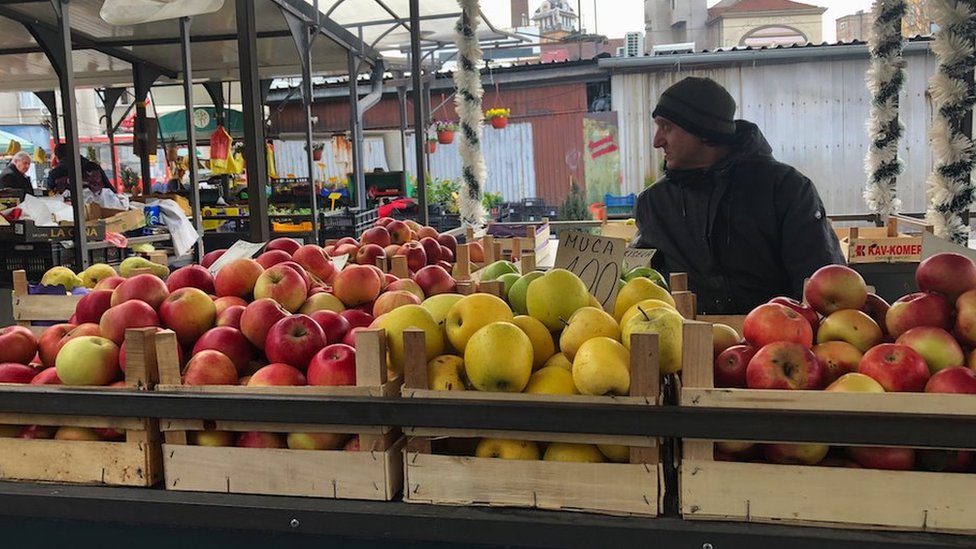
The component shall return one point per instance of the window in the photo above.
(30, 101)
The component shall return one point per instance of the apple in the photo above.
(947, 273)
(301, 272)
(11, 372)
(937, 346)
(271, 258)
(446, 254)
(288, 245)
(350, 249)
(837, 357)
(473, 312)
(352, 445)
(238, 278)
(730, 366)
(316, 441)
(955, 461)
(88, 360)
(894, 459)
(784, 365)
(805, 310)
(965, 325)
(390, 278)
(895, 367)
(409, 317)
(145, 287)
(388, 301)
(376, 235)
(415, 254)
(314, 260)
(17, 344)
(855, 383)
(231, 316)
(191, 276)
(850, 325)
(432, 248)
(258, 439)
(383, 221)
(275, 375)
(399, 232)
(210, 438)
(257, 319)
(382, 276)
(350, 337)
(334, 325)
(210, 257)
(877, 308)
(346, 240)
(407, 284)
(723, 337)
(956, 379)
(109, 283)
(92, 306)
(226, 301)
(835, 287)
(294, 340)
(229, 341)
(476, 252)
(322, 301)
(81, 330)
(796, 454)
(369, 253)
(552, 298)
(131, 314)
(427, 231)
(210, 367)
(357, 318)
(448, 241)
(47, 376)
(357, 284)
(282, 284)
(918, 309)
(189, 312)
(50, 341)
(434, 280)
(333, 365)
(773, 322)
(37, 432)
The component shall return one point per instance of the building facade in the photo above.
(759, 23)
(556, 19)
(676, 22)
(856, 26)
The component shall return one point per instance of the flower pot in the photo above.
(316, 154)
(445, 137)
(499, 122)
(431, 147)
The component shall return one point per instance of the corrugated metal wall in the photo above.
(813, 113)
(291, 160)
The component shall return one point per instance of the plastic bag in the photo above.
(269, 154)
(220, 149)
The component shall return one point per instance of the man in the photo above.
(743, 226)
(14, 175)
(59, 178)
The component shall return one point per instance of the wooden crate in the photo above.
(612, 488)
(883, 244)
(28, 309)
(813, 495)
(375, 472)
(134, 461)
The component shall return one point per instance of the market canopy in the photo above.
(173, 125)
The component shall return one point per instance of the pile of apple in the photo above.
(421, 245)
(843, 338)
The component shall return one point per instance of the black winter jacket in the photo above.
(745, 230)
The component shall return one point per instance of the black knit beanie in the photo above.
(699, 106)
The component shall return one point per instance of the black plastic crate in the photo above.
(35, 258)
(350, 217)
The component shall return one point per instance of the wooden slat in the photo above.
(463, 261)
(371, 357)
(172, 425)
(828, 496)
(678, 282)
(525, 397)
(21, 286)
(488, 244)
(735, 321)
(324, 474)
(645, 381)
(167, 358)
(415, 359)
(465, 287)
(378, 442)
(580, 438)
(44, 307)
(493, 287)
(696, 371)
(527, 262)
(398, 266)
(91, 462)
(605, 487)
(141, 371)
(915, 403)
(95, 422)
(390, 388)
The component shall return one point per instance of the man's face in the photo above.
(22, 164)
(682, 150)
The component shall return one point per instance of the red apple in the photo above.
(210, 367)
(773, 322)
(918, 309)
(805, 310)
(357, 318)
(81, 330)
(288, 245)
(376, 235)
(229, 341)
(895, 367)
(384, 221)
(257, 439)
(276, 374)
(231, 316)
(446, 254)
(837, 358)
(301, 271)
(237, 278)
(476, 252)
(949, 274)
(189, 312)
(784, 365)
(47, 376)
(448, 241)
(432, 248)
(937, 346)
(835, 287)
(379, 273)
(37, 432)
(11, 372)
(369, 253)
(350, 337)
(348, 249)
(131, 314)
(282, 284)
(391, 250)
(210, 257)
(257, 319)
(357, 284)
(334, 325)
(92, 306)
(850, 325)
(329, 250)
(109, 283)
(427, 231)
(730, 366)
(50, 342)
(271, 258)
(333, 365)
(144, 287)
(399, 232)
(191, 276)
(314, 260)
(415, 254)
(957, 380)
(894, 459)
(877, 308)
(294, 340)
(17, 344)
(222, 303)
(955, 461)
(352, 445)
(434, 279)
(388, 301)
(446, 265)
(965, 326)
(346, 240)
(389, 279)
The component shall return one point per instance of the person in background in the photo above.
(58, 179)
(745, 227)
(14, 176)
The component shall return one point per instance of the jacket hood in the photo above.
(749, 141)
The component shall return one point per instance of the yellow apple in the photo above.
(666, 323)
(316, 441)
(568, 451)
(543, 346)
(616, 453)
(470, 314)
(723, 337)
(555, 296)
(646, 305)
(211, 438)
(559, 360)
(585, 324)
(444, 373)
(594, 302)
(96, 273)
(88, 360)
(507, 449)
(401, 318)
(76, 433)
(498, 357)
(602, 367)
(734, 446)
(855, 383)
(639, 289)
(552, 380)
(440, 304)
(321, 302)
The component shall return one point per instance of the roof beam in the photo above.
(329, 28)
(175, 40)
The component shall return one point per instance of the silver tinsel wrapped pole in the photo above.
(885, 79)
(467, 80)
(950, 185)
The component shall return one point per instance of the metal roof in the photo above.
(103, 53)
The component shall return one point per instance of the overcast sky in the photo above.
(616, 17)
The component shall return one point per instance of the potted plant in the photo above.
(431, 144)
(445, 131)
(498, 117)
(317, 151)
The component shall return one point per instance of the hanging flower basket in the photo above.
(431, 146)
(445, 131)
(317, 151)
(498, 117)
(499, 122)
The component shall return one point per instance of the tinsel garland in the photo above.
(885, 78)
(467, 80)
(950, 185)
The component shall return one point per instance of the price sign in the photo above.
(597, 260)
(240, 249)
(637, 257)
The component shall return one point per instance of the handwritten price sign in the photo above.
(596, 260)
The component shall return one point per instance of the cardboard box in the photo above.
(26, 231)
(882, 244)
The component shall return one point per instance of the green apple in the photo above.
(509, 279)
(498, 268)
(646, 272)
(516, 295)
(555, 296)
(664, 322)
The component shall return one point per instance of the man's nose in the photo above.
(658, 140)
